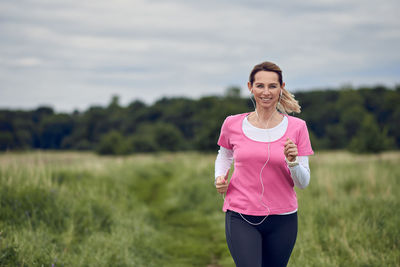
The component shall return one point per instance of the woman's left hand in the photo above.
(290, 150)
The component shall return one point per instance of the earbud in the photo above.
(280, 94)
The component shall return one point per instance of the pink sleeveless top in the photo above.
(245, 188)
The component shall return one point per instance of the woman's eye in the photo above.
(259, 86)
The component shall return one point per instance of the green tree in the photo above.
(158, 136)
(334, 118)
(24, 130)
(6, 130)
(370, 138)
(207, 136)
(91, 125)
(113, 143)
(53, 129)
(319, 109)
(143, 143)
(391, 111)
(134, 115)
(336, 136)
(6, 140)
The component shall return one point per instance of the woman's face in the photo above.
(266, 88)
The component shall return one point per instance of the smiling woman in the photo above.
(270, 150)
(268, 74)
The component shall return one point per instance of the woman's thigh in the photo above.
(244, 241)
(278, 239)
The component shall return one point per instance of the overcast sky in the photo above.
(75, 54)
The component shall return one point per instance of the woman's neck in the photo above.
(265, 118)
(264, 115)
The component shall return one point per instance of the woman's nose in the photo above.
(266, 91)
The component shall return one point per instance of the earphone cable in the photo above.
(260, 175)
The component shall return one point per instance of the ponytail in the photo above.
(287, 103)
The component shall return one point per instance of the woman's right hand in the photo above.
(221, 184)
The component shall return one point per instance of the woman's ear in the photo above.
(250, 87)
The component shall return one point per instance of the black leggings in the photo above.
(268, 244)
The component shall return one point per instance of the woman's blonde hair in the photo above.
(287, 103)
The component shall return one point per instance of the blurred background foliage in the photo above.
(362, 120)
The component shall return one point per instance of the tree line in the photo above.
(362, 120)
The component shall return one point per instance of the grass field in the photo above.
(80, 209)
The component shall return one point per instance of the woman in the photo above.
(270, 151)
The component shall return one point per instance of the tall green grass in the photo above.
(79, 209)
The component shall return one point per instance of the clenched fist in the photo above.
(290, 150)
(221, 184)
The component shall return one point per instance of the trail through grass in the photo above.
(80, 209)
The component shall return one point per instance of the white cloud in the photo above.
(73, 54)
